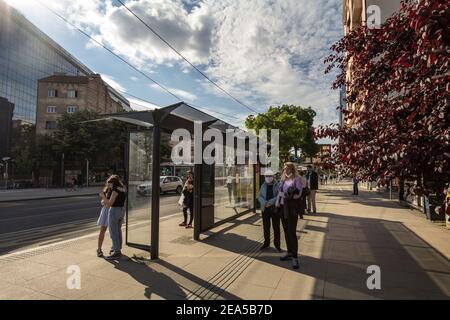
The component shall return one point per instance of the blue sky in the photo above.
(264, 52)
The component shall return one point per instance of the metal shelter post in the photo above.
(156, 168)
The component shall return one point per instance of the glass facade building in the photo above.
(27, 55)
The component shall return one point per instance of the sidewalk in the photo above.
(336, 245)
(43, 193)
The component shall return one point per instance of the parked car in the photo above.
(166, 184)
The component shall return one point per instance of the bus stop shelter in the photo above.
(221, 192)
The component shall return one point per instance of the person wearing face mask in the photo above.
(288, 203)
(267, 197)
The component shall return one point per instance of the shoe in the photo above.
(279, 250)
(111, 251)
(183, 224)
(99, 253)
(115, 256)
(295, 264)
(264, 246)
(189, 226)
(286, 257)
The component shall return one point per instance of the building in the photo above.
(6, 114)
(60, 94)
(27, 55)
(357, 13)
(323, 155)
(342, 104)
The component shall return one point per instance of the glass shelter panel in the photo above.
(139, 188)
(233, 191)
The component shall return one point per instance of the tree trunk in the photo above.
(401, 189)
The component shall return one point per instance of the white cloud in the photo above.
(279, 57)
(264, 52)
(188, 96)
(140, 105)
(113, 83)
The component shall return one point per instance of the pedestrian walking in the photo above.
(288, 203)
(312, 178)
(116, 202)
(102, 221)
(73, 184)
(188, 201)
(355, 185)
(267, 198)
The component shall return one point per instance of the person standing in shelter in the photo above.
(288, 203)
(188, 201)
(229, 185)
(115, 201)
(102, 221)
(267, 198)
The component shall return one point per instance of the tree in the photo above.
(400, 87)
(80, 138)
(295, 125)
(23, 150)
(309, 146)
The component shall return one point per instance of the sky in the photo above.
(264, 52)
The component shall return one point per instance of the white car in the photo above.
(166, 184)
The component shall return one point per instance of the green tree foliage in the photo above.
(295, 125)
(23, 150)
(79, 137)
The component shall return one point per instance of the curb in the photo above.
(47, 198)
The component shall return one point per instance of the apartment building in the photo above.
(357, 13)
(60, 94)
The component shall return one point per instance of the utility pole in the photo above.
(62, 170)
(87, 173)
(390, 189)
(6, 159)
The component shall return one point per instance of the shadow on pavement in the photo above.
(410, 267)
(164, 280)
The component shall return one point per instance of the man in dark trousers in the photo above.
(312, 181)
(267, 198)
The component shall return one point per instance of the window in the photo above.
(50, 125)
(51, 93)
(72, 94)
(51, 109)
(71, 109)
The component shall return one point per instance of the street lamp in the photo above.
(5, 175)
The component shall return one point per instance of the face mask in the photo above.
(269, 180)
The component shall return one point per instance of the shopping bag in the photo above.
(181, 201)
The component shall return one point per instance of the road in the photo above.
(26, 224)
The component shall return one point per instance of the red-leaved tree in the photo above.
(400, 87)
